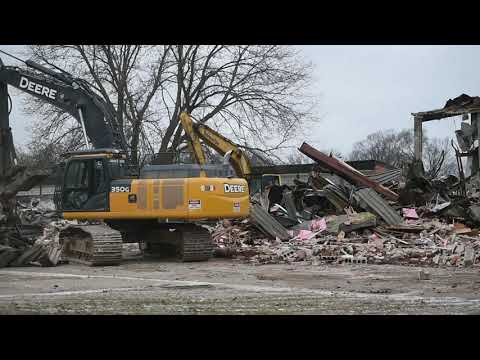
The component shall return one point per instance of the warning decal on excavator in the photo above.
(194, 204)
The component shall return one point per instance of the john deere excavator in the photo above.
(100, 183)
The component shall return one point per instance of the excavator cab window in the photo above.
(86, 185)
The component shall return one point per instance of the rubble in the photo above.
(321, 221)
(267, 223)
(30, 242)
(346, 171)
(36, 212)
(375, 248)
(355, 222)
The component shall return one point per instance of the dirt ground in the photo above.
(222, 286)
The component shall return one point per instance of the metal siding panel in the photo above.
(379, 206)
(384, 177)
(268, 223)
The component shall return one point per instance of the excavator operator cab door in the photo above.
(86, 185)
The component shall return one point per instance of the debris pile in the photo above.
(357, 219)
(37, 212)
(32, 241)
(355, 239)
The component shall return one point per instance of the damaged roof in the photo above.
(462, 104)
(345, 171)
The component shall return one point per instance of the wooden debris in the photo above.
(460, 228)
(405, 228)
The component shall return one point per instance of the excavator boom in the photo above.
(70, 96)
(225, 147)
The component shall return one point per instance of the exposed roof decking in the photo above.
(462, 104)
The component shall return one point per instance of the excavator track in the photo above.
(196, 245)
(92, 245)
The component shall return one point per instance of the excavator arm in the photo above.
(225, 147)
(72, 96)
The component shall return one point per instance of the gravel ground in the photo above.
(223, 286)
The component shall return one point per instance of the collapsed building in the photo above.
(342, 215)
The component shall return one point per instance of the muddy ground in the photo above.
(222, 286)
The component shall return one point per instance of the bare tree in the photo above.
(255, 95)
(40, 154)
(394, 148)
(397, 149)
(126, 76)
(297, 158)
(438, 158)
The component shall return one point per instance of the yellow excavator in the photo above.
(162, 206)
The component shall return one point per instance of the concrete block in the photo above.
(424, 275)
(469, 257)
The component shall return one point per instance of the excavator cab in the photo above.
(85, 185)
(87, 175)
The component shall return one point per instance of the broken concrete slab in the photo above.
(358, 221)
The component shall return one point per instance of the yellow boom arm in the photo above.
(222, 145)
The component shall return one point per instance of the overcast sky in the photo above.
(363, 89)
